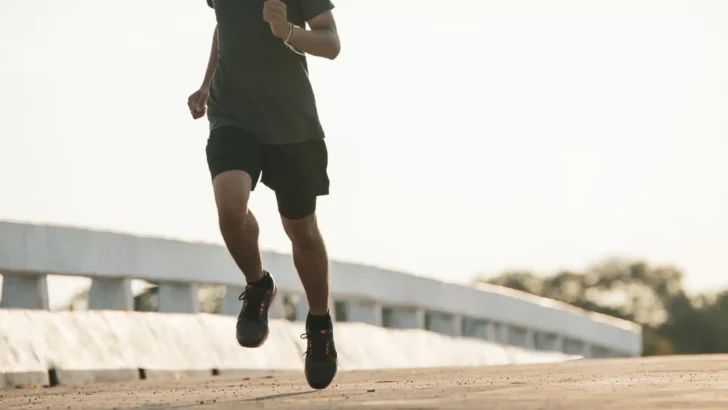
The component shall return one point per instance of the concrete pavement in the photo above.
(687, 382)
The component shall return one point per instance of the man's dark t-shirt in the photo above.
(260, 85)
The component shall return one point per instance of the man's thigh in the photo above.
(298, 175)
(232, 149)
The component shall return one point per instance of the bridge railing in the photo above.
(28, 253)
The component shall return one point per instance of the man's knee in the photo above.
(303, 233)
(232, 191)
(296, 205)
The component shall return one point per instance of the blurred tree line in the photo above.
(653, 296)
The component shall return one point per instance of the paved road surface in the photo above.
(695, 382)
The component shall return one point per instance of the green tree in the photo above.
(653, 296)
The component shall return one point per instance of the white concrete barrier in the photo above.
(75, 347)
(28, 253)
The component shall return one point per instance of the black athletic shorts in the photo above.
(295, 172)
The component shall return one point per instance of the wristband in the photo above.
(288, 37)
(290, 32)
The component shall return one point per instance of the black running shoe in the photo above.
(252, 327)
(321, 358)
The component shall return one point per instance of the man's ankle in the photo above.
(263, 280)
(319, 321)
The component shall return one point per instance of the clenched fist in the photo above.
(197, 102)
(276, 14)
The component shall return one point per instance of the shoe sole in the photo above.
(272, 299)
(324, 387)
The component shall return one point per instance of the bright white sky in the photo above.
(467, 136)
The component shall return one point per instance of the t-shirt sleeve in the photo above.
(312, 8)
(209, 3)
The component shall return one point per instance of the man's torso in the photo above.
(260, 85)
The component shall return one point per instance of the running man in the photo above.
(264, 123)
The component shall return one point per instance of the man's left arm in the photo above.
(321, 39)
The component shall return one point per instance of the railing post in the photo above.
(530, 342)
(457, 325)
(586, 349)
(491, 331)
(25, 292)
(503, 334)
(110, 294)
(178, 298)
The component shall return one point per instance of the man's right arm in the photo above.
(198, 100)
(211, 63)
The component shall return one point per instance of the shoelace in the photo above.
(318, 345)
(252, 298)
